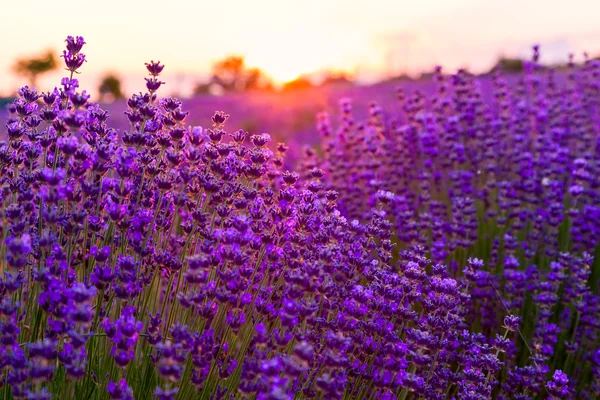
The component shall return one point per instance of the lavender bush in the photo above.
(448, 252)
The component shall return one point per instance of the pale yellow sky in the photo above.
(287, 38)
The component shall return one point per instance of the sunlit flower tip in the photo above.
(239, 136)
(260, 140)
(196, 135)
(290, 178)
(74, 44)
(215, 135)
(219, 118)
(154, 68)
(511, 322)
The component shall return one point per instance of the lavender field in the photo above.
(439, 240)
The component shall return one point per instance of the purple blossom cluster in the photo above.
(503, 193)
(444, 253)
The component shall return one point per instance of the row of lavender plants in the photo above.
(505, 198)
(448, 251)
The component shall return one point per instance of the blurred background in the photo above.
(264, 60)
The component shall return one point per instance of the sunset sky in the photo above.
(286, 38)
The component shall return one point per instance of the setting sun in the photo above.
(302, 50)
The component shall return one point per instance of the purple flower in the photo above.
(74, 44)
(165, 394)
(557, 387)
(153, 84)
(123, 333)
(219, 118)
(154, 68)
(73, 61)
(120, 390)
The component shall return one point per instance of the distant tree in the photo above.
(32, 67)
(110, 88)
(208, 88)
(427, 76)
(256, 79)
(508, 65)
(233, 75)
(300, 83)
(229, 73)
(398, 78)
(202, 88)
(336, 78)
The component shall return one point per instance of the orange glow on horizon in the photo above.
(369, 40)
(300, 51)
